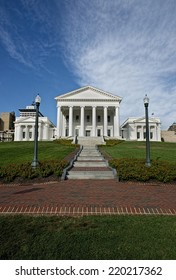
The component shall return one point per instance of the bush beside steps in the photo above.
(25, 171)
(135, 169)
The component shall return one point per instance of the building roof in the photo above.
(89, 93)
(30, 110)
(139, 120)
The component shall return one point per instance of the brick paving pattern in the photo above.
(88, 197)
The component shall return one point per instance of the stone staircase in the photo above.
(90, 164)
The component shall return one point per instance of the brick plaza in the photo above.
(88, 197)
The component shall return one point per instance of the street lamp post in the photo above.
(146, 104)
(35, 160)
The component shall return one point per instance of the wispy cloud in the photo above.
(26, 32)
(11, 39)
(128, 48)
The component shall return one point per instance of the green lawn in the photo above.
(129, 149)
(21, 152)
(100, 237)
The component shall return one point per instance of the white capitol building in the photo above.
(85, 112)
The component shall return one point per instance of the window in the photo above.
(138, 135)
(87, 132)
(99, 118)
(67, 119)
(109, 132)
(88, 118)
(77, 118)
(24, 134)
(151, 135)
(99, 132)
(109, 119)
(30, 134)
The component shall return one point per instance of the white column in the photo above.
(135, 131)
(40, 132)
(21, 132)
(70, 121)
(105, 121)
(26, 133)
(59, 121)
(15, 134)
(158, 132)
(33, 132)
(18, 132)
(46, 131)
(22, 129)
(82, 122)
(94, 121)
(116, 122)
(142, 138)
(63, 125)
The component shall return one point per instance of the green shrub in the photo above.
(65, 142)
(113, 142)
(25, 171)
(135, 169)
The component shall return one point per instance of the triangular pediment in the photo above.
(28, 119)
(25, 119)
(142, 120)
(88, 93)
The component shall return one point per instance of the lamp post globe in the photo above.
(146, 104)
(146, 100)
(37, 105)
(38, 99)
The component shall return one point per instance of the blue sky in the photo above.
(126, 47)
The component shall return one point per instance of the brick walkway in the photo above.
(88, 197)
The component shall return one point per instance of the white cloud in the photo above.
(128, 48)
(26, 32)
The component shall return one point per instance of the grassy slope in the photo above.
(19, 152)
(117, 237)
(159, 150)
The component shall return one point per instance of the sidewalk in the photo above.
(88, 197)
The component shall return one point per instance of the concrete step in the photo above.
(92, 150)
(93, 147)
(90, 164)
(90, 175)
(90, 154)
(89, 158)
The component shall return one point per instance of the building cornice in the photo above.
(87, 100)
(74, 92)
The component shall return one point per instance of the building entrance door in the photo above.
(98, 132)
(87, 132)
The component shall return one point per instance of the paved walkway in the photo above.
(88, 197)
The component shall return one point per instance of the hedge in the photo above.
(25, 171)
(135, 169)
(64, 142)
(113, 142)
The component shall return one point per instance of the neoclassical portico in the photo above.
(135, 129)
(25, 126)
(86, 112)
